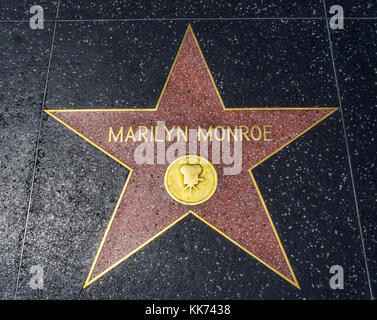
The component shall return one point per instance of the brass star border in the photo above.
(89, 280)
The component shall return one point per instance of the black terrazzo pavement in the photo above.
(255, 63)
(24, 61)
(175, 9)
(355, 55)
(11, 10)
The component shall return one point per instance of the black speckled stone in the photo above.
(97, 9)
(355, 53)
(77, 187)
(130, 68)
(112, 64)
(23, 64)
(269, 63)
(20, 9)
(307, 188)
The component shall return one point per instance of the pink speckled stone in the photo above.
(146, 208)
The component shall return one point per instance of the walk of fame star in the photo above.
(236, 209)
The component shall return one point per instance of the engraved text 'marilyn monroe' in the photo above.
(178, 133)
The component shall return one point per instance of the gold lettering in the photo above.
(184, 133)
(130, 134)
(233, 133)
(118, 136)
(244, 133)
(143, 134)
(169, 132)
(267, 132)
(256, 133)
(156, 135)
(256, 138)
(205, 136)
(222, 135)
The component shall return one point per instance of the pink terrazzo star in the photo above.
(145, 209)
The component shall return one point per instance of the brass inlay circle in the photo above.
(191, 180)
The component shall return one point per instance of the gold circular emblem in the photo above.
(191, 180)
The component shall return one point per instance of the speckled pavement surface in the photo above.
(57, 191)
